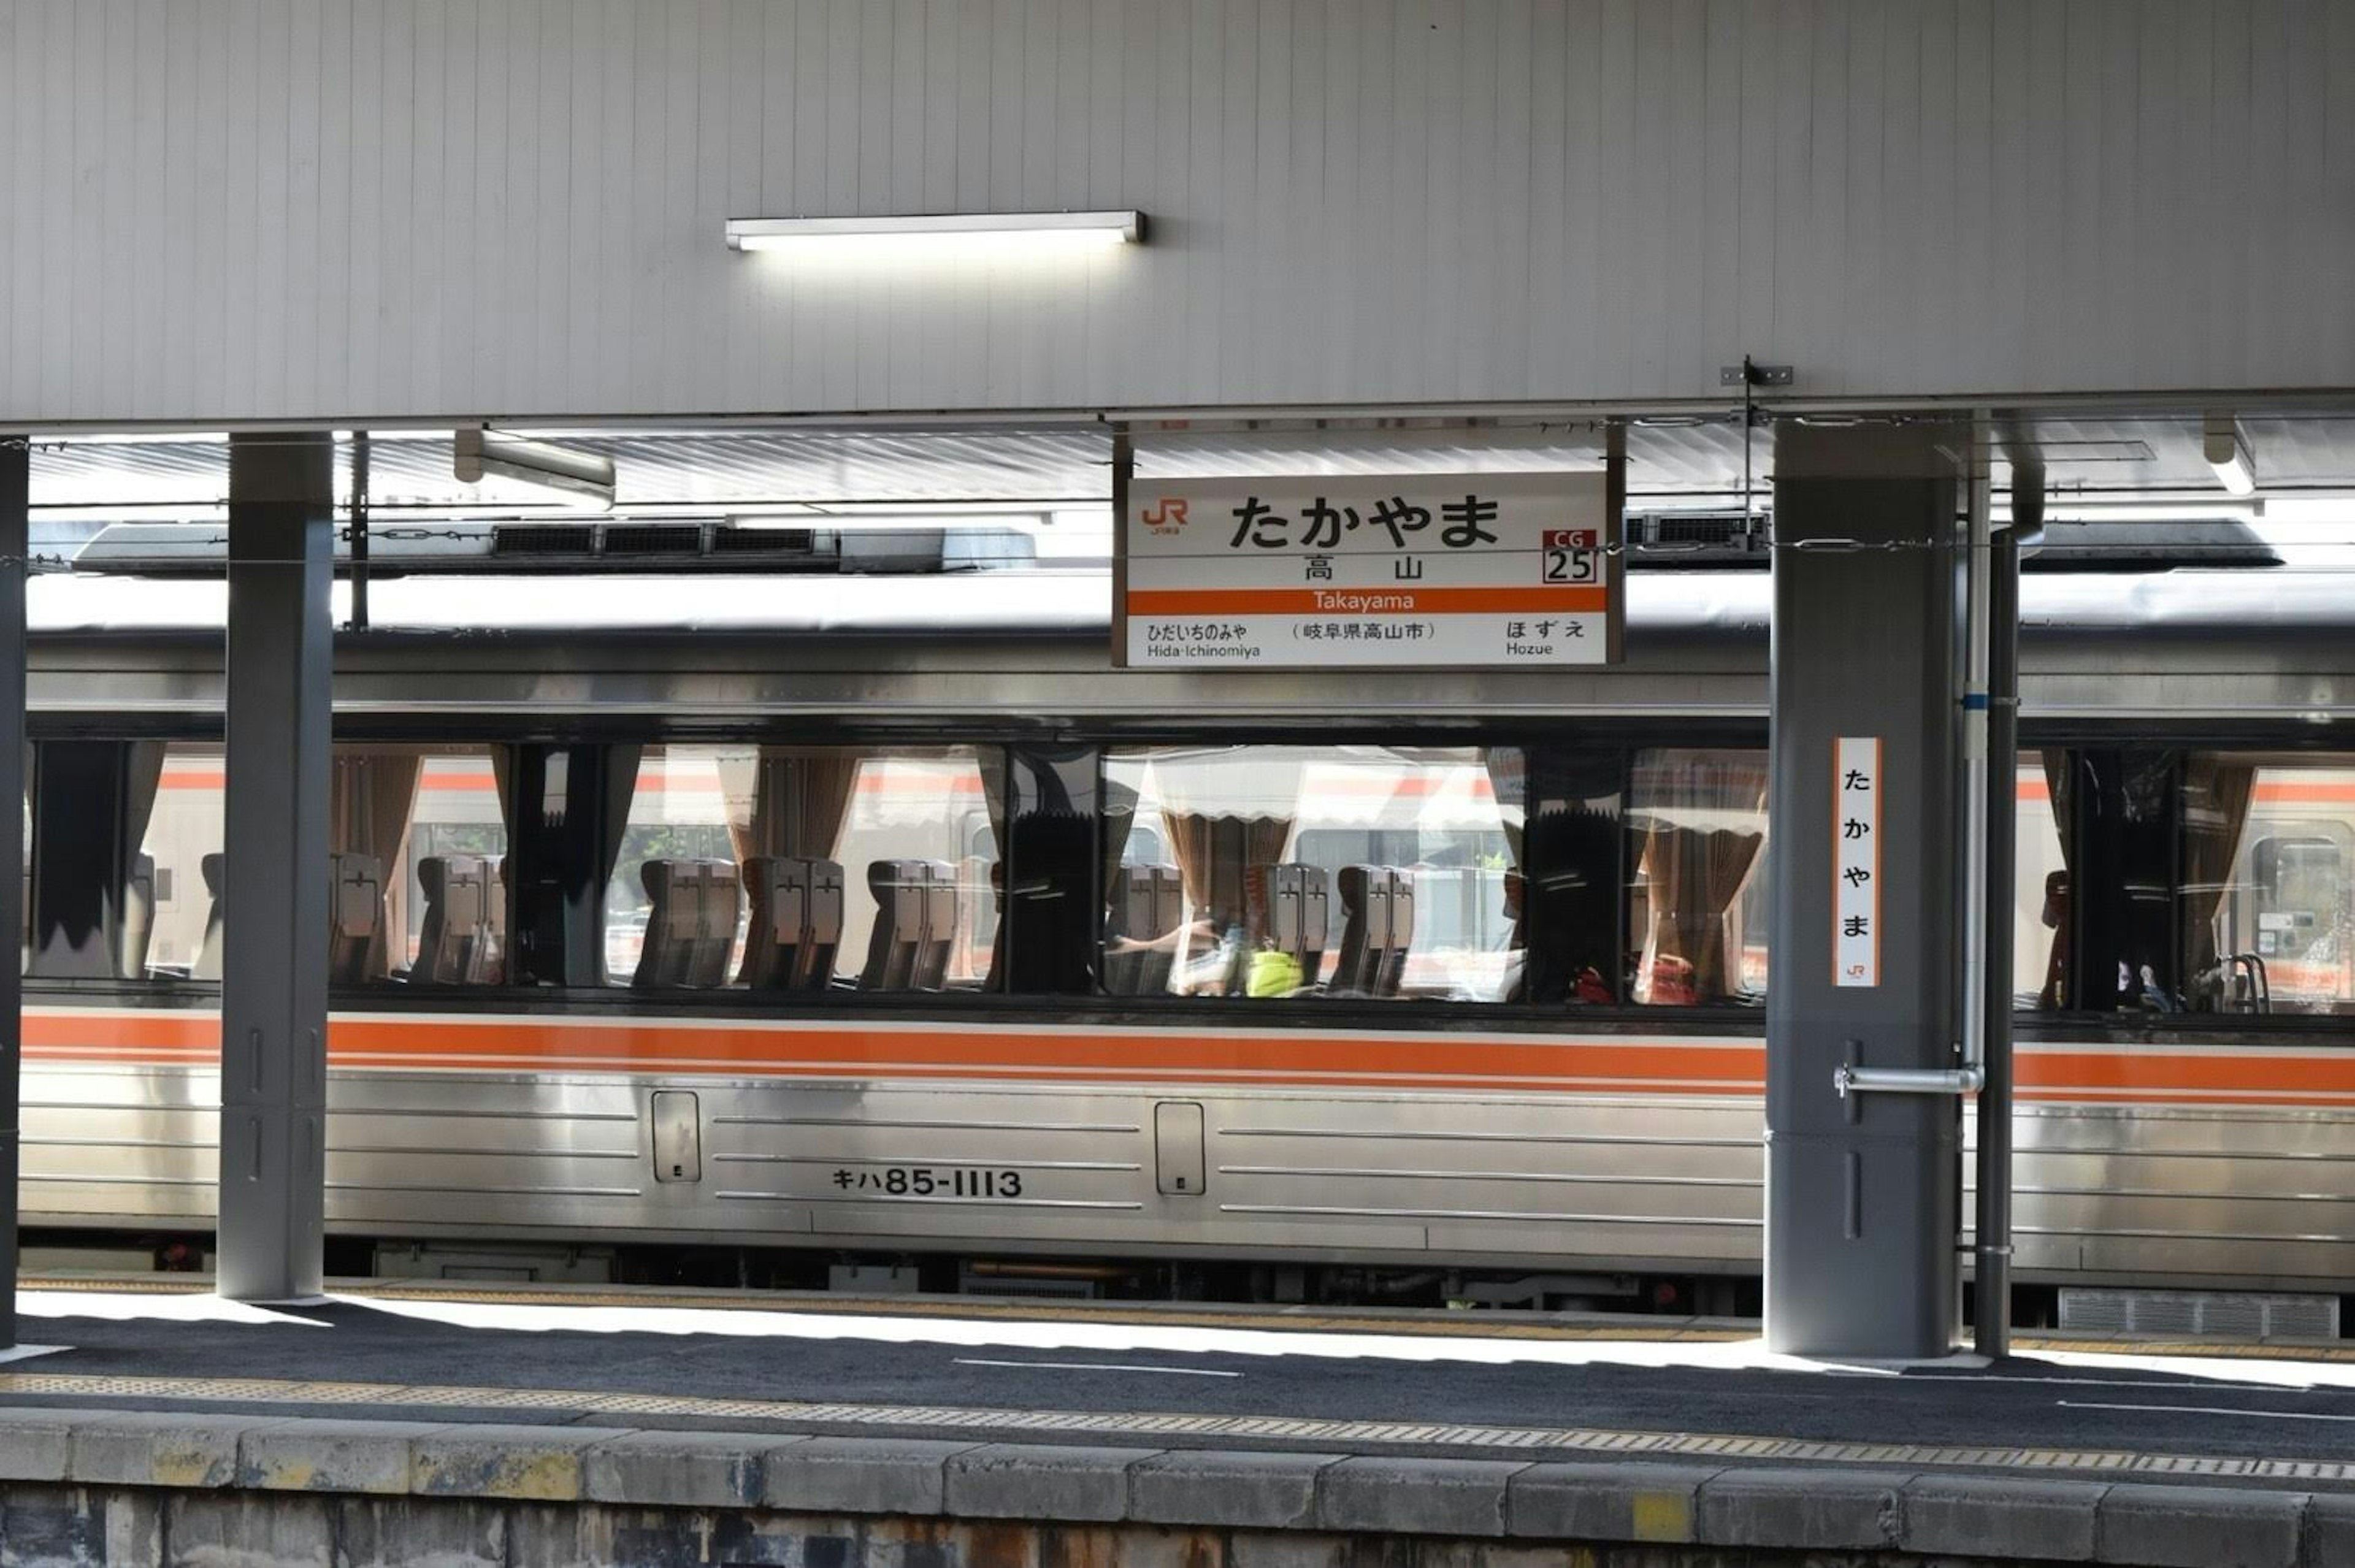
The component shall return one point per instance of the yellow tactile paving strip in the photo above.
(354, 1398)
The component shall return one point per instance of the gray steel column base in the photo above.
(274, 904)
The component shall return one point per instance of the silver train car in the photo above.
(878, 923)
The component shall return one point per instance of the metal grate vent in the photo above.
(2186, 1313)
(654, 539)
(545, 538)
(1042, 1289)
(763, 541)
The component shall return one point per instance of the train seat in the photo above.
(491, 970)
(674, 924)
(1169, 911)
(720, 900)
(1393, 970)
(813, 966)
(354, 914)
(915, 925)
(138, 919)
(1147, 903)
(1376, 929)
(1298, 916)
(898, 887)
(796, 922)
(207, 965)
(944, 897)
(451, 948)
(1130, 917)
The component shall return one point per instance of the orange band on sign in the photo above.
(1363, 601)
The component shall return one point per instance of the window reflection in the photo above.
(2164, 880)
(172, 908)
(122, 835)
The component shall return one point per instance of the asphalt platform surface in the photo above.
(1032, 1358)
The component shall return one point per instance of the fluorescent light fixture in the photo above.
(2228, 453)
(582, 479)
(945, 236)
(2337, 510)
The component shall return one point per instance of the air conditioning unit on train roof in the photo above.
(1691, 540)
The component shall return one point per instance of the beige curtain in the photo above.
(373, 802)
(796, 799)
(2217, 793)
(1229, 816)
(143, 774)
(1704, 824)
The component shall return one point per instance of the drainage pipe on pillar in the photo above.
(1975, 769)
(1991, 1222)
(359, 531)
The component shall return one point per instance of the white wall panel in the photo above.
(352, 209)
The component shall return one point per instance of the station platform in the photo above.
(394, 1421)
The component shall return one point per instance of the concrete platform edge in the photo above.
(239, 1464)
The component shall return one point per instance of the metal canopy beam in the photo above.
(274, 898)
(1863, 1188)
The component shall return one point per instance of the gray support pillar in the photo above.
(1863, 1191)
(274, 904)
(15, 531)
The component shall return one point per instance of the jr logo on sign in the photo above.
(1168, 517)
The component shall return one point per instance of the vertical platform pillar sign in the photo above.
(275, 897)
(1864, 1189)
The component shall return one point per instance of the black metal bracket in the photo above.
(1749, 373)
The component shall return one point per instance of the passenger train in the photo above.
(879, 924)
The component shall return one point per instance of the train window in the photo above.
(919, 837)
(1347, 871)
(175, 877)
(2040, 886)
(418, 840)
(2196, 882)
(1697, 840)
(805, 868)
(2280, 937)
(675, 885)
(116, 824)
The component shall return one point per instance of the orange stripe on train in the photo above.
(508, 1044)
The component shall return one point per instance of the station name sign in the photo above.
(1467, 570)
